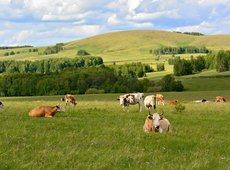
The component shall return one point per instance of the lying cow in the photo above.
(156, 123)
(1, 105)
(201, 101)
(131, 99)
(150, 102)
(173, 102)
(46, 111)
(69, 99)
(220, 99)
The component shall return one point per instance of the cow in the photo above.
(173, 102)
(150, 102)
(220, 99)
(1, 105)
(68, 98)
(156, 123)
(201, 101)
(131, 99)
(160, 99)
(46, 111)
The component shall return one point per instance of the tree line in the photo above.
(48, 65)
(12, 47)
(190, 33)
(18, 52)
(132, 70)
(179, 50)
(76, 81)
(219, 61)
(54, 49)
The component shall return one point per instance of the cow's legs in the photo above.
(140, 106)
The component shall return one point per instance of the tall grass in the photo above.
(97, 134)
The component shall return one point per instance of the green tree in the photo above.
(82, 53)
(168, 83)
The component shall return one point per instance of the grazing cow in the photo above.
(158, 123)
(150, 102)
(131, 99)
(69, 99)
(220, 99)
(46, 111)
(1, 105)
(173, 102)
(160, 99)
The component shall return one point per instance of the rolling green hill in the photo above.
(126, 46)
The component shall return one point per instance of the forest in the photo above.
(179, 50)
(48, 65)
(219, 61)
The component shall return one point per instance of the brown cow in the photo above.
(160, 99)
(173, 102)
(220, 99)
(69, 99)
(45, 111)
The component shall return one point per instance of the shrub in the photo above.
(94, 91)
(160, 67)
(168, 83)
(179, 107)
(82, 53)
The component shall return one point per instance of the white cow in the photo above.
(131, 99)
(150, 102)
(156, 123)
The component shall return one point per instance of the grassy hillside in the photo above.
(126, 46)
(97, 134)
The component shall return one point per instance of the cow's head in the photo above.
(156, 120)
(60, 108)
(1, 105)
(123, 100)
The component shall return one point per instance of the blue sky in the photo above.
(47, 22)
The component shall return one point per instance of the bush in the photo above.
(94, 91)
(179, 107)
(160, 67)
(168, 83)
(82, 53)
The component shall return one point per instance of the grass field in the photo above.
(97, 134)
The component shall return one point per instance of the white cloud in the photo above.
(113, 20)
(133, 4)
(204, 27)
(213, 2)
(150, 16)
(22, 35)
(141, 25)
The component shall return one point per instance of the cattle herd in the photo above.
(153, 123)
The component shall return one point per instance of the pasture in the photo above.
(97, 134)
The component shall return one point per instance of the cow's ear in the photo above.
(118, 98)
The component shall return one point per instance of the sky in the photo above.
(47, 22)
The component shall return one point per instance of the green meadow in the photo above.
(98, 134)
